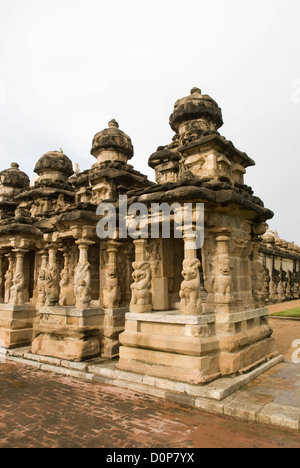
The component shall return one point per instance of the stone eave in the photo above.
(20, 229)
(274, 251)
(186, 191)
(81, 212)
(119, 175)
(50, 192)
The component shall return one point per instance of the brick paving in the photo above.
(41, 409)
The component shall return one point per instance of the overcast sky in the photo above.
(67, 67)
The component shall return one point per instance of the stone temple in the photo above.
(158, 306)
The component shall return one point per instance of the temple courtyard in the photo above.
(42, 408)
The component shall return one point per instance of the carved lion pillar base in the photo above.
(190, 292)
(141, 288)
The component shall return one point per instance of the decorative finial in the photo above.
(113, 124)
(14, 165)
(195, 90)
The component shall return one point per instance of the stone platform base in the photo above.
(114, 325)
(171, 345)
(16, 325)
(68, 333)
(195, 349)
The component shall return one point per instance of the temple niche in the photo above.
(159, 305)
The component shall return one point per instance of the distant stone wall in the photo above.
(281, 261)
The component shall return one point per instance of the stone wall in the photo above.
(281, 263)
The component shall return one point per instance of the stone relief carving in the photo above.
(8, 281)
(112, 293)
(141, 293)
(82, 285)
(222, 281)
(63, 284)
(51, 289)
(17, 290)
(41, 286)
(190, 287)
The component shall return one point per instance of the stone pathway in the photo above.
(42, 409)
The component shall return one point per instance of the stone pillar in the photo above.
(223, 282)
(141, 288)
(8, 278)
(52, 288)
(190, 292)
(82, 280)
(17, 289)
(42, 279)
(66, 295)
(114, 318)
(111, 293)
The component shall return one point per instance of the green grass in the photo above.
(288, 313)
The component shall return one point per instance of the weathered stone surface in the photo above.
(196, 314)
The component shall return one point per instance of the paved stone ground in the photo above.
(40, 409)
(43, 409)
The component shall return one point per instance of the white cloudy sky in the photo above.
(69, 66)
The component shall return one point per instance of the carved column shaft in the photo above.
(17, 290)
(82, 280)
(8, 278)
(190, 292)
(141, 288)
(41, 283)
(223, 282)
(52, 281)
(111, 293)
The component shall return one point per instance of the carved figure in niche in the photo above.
(190, 287)
(41, 286)
(63, 284)
(34, 209)
(142, 282)
(8, 283)
(82, 285)
(17, 290)
(222, 281)
(112, 293)
(51, 288)
(60, 202)
(154, 258)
